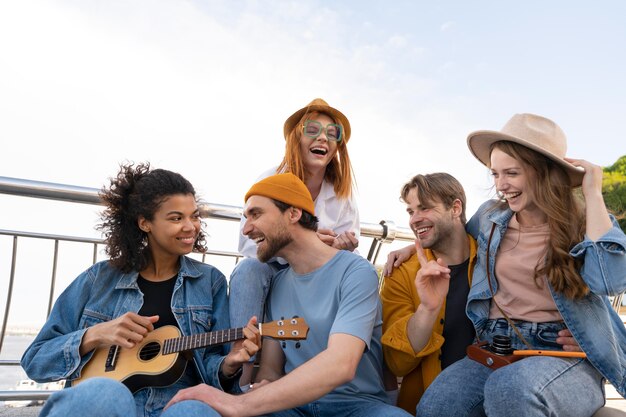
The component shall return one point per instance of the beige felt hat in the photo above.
(535, 132)
(321, 106)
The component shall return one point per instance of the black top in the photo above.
(157, 300)
(458, 331)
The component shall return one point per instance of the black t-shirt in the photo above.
(157, 300)
(458, 330)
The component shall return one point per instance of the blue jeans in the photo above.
(352, 408)
(190, 408)
(96, 397)
(534, 386)
(249, 284)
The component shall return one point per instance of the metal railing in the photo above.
(384, 232)
(380, 234)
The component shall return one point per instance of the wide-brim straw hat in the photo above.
(318, 105)
(535, 132)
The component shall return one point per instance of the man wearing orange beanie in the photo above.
(337, 370)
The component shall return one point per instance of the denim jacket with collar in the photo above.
(102, 293)
(596, 327)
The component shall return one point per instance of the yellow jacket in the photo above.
(400, 300)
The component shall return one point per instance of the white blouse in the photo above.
(337, 214)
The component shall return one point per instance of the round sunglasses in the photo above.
(312, 129)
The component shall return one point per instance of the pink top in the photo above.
(521, 249)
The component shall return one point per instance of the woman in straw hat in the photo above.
(547, 260)
(316, 152)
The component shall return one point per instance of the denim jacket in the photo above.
(596, 327)
(102, 293)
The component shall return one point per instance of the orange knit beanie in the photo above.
(286, 188)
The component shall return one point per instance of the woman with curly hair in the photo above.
(150, 223)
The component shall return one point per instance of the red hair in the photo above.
(338, 171)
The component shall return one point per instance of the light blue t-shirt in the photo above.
(339, 297)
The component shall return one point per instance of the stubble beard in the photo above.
(442, 239)
(273, 245)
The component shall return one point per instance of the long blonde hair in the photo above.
(553, 194)
(338, 171)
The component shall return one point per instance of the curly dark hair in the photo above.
(137, 191)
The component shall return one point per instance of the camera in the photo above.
(493, 355)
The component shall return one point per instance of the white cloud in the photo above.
(203, 88)
(397, 41)
(447, 26)
(449, 65)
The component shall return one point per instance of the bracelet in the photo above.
(224, 377)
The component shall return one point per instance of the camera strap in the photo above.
(493, 294)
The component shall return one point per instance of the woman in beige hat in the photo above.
(547, 260)
(316, 152)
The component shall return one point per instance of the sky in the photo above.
(204, 87)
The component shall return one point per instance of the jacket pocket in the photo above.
(547, 334)
(90, 317)
(201, 319)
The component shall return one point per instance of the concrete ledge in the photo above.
(20, 411)
(609, 411)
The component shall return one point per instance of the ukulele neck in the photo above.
(196, 341)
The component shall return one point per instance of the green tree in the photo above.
(614, 190)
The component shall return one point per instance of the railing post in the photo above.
(54, 276)
(388, 235)
(376, 242)
(95, 254)
(7, 307)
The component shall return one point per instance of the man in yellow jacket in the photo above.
(425, 327)
(424, 294)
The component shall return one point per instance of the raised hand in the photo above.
(346, 241)
(343, 241)
(243, 350)
(432, 280)
(596, 214)
(396, 257)
(592, 180)
(125, 331)
(327, 236)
